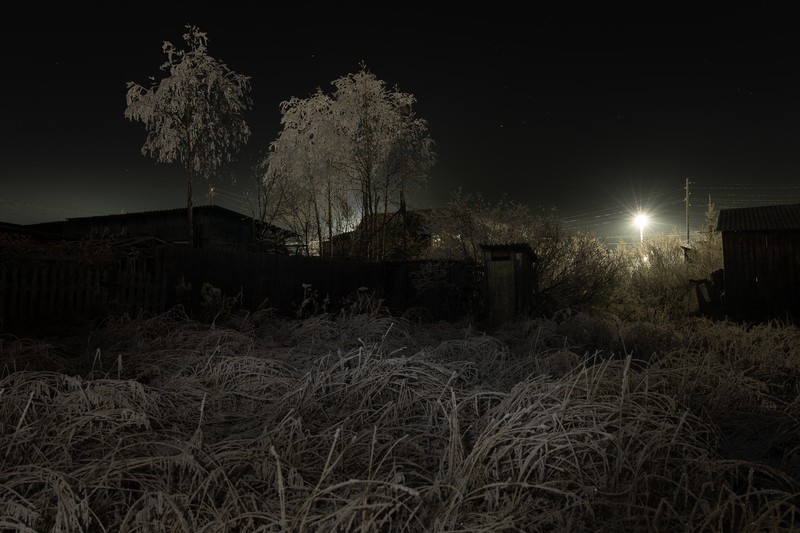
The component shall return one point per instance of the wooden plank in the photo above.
(41, 298)
(124, 288)
(52, 272)
(148, 292)
(32, 286)
(140, 292)
(3, 290)
(14, 296)
(75, 291)
(80, 272)
(136, 298)
(130, 284)
(94, 289)
(143, 278)
(25, 291)
(155, 280)
(66, 290)
(29, 299)
(84, 298)
(161, 280)
(91, 290)
(58, 290)
(104, 284)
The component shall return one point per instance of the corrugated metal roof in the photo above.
(762, 218)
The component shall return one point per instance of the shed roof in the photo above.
(512, 247)
(761, 218)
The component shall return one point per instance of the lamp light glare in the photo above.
(641, 221)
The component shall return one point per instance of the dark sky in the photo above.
(593, 114)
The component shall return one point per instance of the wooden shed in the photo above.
(761, 258)
(510, 280)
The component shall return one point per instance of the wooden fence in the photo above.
(37, 290)
(42, 289)
(33, 290)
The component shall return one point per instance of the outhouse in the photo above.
(509, 280)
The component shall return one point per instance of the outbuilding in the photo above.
(761, 259)
(509, 280)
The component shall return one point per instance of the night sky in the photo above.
(592, 115)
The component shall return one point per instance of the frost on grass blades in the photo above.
(366, 422)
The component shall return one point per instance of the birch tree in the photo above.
(195, 114)
(355, 154)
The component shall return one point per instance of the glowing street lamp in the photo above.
(641, 221)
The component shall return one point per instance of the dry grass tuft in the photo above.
(366, 422)
(20, 354)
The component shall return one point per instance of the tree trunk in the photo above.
(189, 207)
(193, 274)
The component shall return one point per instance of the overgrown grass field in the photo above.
(368, 422)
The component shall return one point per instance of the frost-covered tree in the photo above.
(300, 189)
(195, 114)
(354, 154)
(469, 220)
(572, 270)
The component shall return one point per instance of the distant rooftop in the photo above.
(177, 210)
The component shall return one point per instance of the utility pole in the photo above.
(687, 211)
